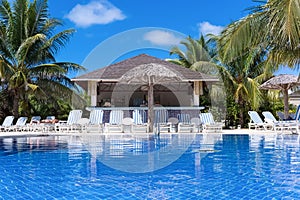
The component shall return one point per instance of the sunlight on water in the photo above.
(212, 166)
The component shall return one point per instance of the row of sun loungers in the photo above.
(271, 123)
(22, 125)
(136, 123)
(117, 122)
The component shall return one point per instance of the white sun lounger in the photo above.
(8, 121)
(280, 125)
(20, 124)
(161, 121)
(139, 125)
(68, 125)
(209, 124)
(95, 121)
(115, 121)
(185, 124)
(256, 122)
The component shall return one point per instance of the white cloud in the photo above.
(95, 12)
(207, 28)
(159, 37)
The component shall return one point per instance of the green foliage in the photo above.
(197, 56)
(5, 104)
(273, 26)
(248, 52)
(28, 46)
(232, 114)
(241, 82)
(252, 48)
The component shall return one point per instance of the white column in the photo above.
(92, 92)
(197, 92)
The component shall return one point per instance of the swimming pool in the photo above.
(211, 167)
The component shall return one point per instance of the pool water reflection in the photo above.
(211, 167)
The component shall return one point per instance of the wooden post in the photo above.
(286, 103)
(150, 107)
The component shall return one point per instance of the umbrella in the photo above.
(149, 75)
(282, 82)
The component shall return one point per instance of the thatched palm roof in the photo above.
(115, 71)
(280, 82)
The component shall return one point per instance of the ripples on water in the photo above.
(212, 167)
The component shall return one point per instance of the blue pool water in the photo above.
(212, 167)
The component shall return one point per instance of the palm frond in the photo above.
(6, 69)
(57, 90)
(284, 23)
(19, 22)
(49, 26)
(286, 57)
(22, 53)
(205, 67)
(5, 12)
(55, 43)
(46, 70)
(240, 36)
(70, 67)
(255, 94)
(181, 56)
(176, 61)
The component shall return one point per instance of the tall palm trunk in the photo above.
(286, 103)
(241, 104)
(16, 100)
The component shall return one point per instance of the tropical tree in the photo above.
(273, 26)
(27, 49)
(242, 79)
(242, 74)
(197, 55)
(271, 29)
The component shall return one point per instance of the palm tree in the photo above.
(27, 49)
(197, 55)
(271, 31)
(241, 80)
(273, 26)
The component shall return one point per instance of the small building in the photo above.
(105, 87)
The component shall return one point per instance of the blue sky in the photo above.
(109, 31)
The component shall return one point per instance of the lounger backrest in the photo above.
(255, 117)
(35, 119)
(116, 117)
(184, 118)
(161, 116)
(8, 121)
(96, 117)
(21, 121)
(137, 116)
(206, 118)
(280, 115)
(297, 114)
(74, 116)
(50, 118)
(144, 116)
(269, 116)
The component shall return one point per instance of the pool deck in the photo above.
(224, 131)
